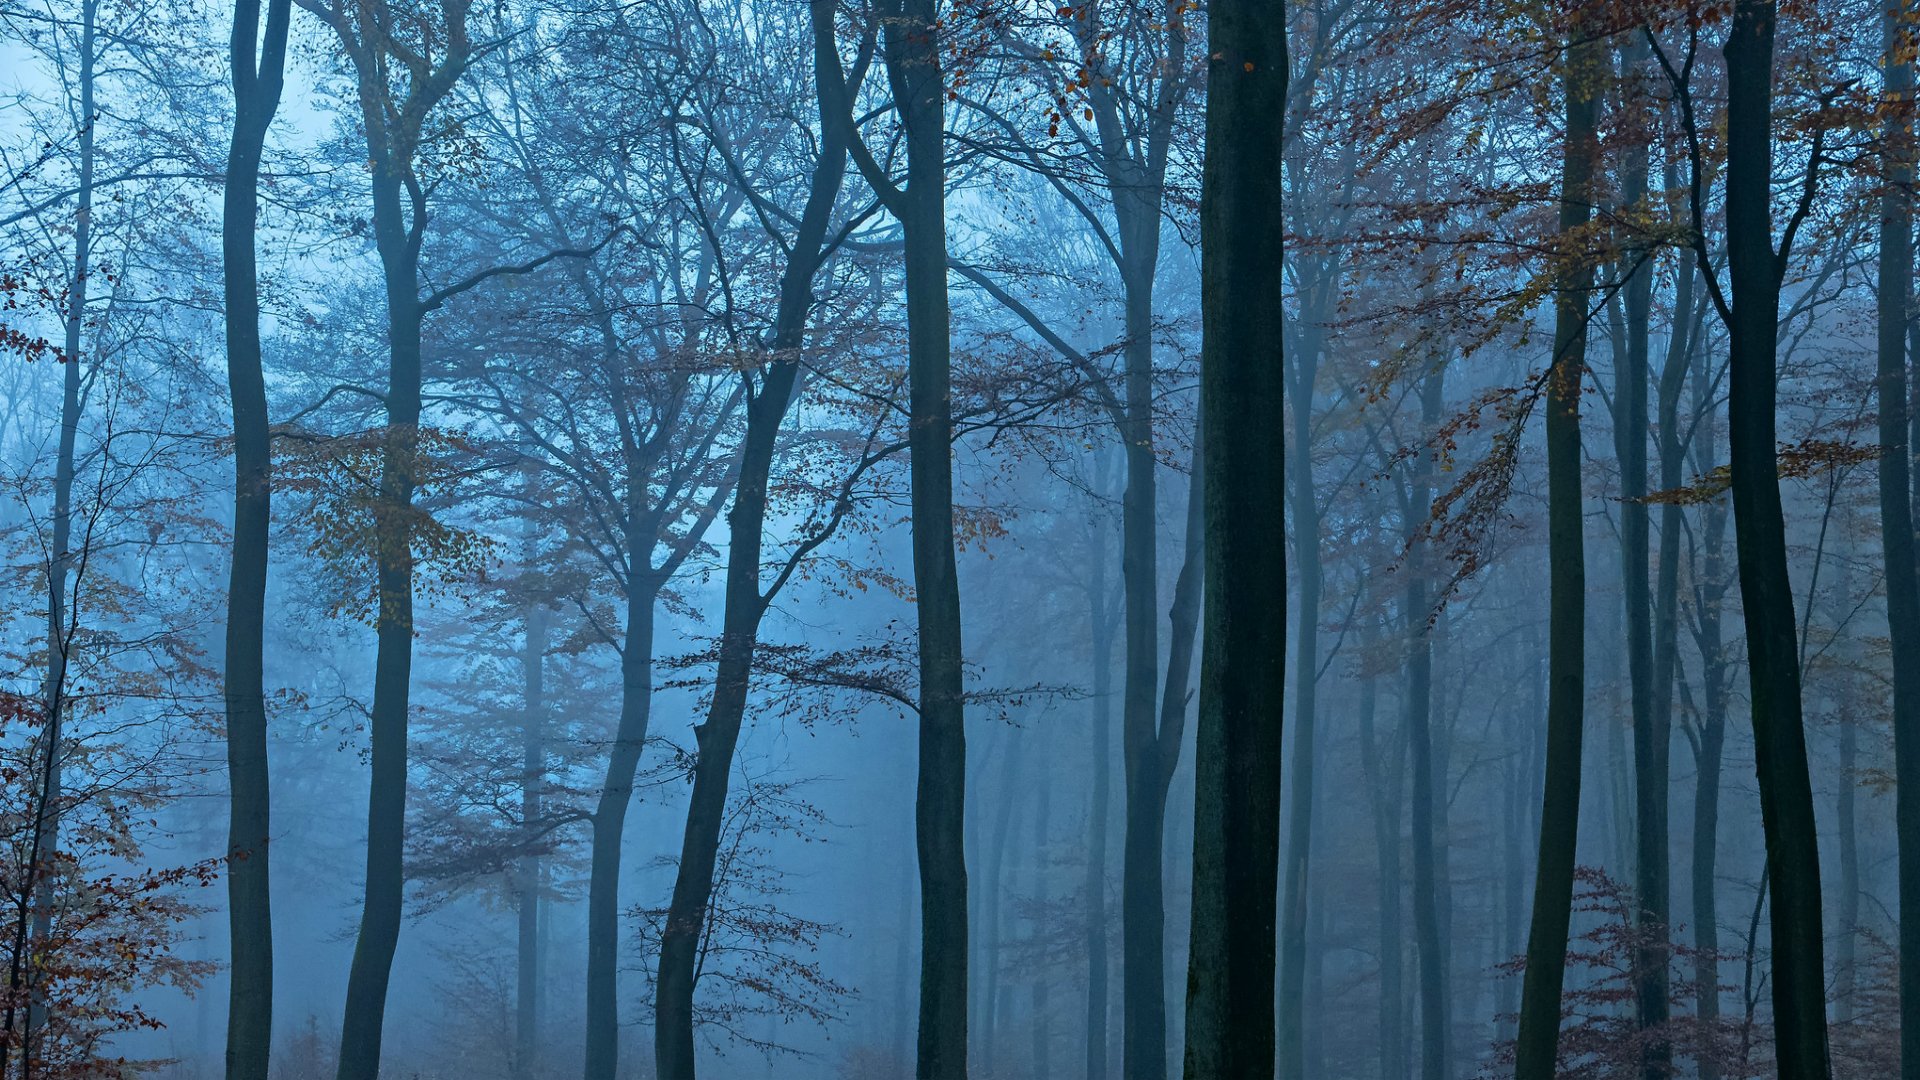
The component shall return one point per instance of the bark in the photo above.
(259, 65)
(1767, 602)
(912, 55)
(1537, 1046)
(1236, 854)
(1895, 294)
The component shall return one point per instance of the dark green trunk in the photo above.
(258, 66)
(1236, 853)
(1798, 974)
(1537, 1047)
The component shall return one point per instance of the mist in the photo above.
(873, 539)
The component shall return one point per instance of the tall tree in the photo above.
(1750, 307)
(1651, 734)
(911, 50)
(1236, 850)
(770, 396)
(1537, 1045)
(259, 66)
(1895, 295)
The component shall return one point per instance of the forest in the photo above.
(945, 539)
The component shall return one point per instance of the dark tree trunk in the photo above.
(912, 54)
(1537, 1046)
(610, 814)
(1766, 593)
(258, 65)
(1895, 284)
(1236, 853)
(367, 983)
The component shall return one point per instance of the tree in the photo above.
(1536, 1049)
(910, 50)
(259, 64)
(1749, 305)
(1894, 293)
(1236, 851)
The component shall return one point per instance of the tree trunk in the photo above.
(610, 814)
(533, 772)
(1095, 884)
(365, 1012)
(993, 916)
(1429, 941)
(1651, 736)
(1767, 602)
(1039, 1010)
(1709, 584)
(912, 55)
(1383, 780)
(258, 76)
(1306, 533)
(1895, 284)
(1537, 1047)
(744, 604)
(1236, 852)
(62, 622)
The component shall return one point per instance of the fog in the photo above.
(654, 538)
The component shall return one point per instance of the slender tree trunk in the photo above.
(994, 914)
(367, 983)
(616, 795)
(912, 54)
(258, 76)
(1306, 532)
(1537, 1046)
(744, 604)
(1236, 852)
(1039, 1009)
(1709, 587)
(1383, 779)
(1095, 885)
(38, 891)
(1428, 783)
(1767, 602)
(1651, 736)
(1895, 285)
(533, 772)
